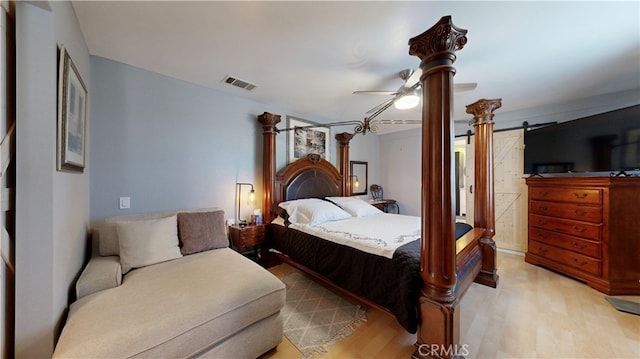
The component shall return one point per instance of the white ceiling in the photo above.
(546, 60)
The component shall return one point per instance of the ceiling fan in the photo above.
(408, 95)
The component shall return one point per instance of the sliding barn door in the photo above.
(509, 186)
(510, 191)
(7, 181)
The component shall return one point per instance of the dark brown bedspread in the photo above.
(391, 283)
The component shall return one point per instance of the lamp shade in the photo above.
(407, 101)
(240, 220)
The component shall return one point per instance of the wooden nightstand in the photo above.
(248, 240)
(385, 205)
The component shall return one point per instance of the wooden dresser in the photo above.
(587, 228)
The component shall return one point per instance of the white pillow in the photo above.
(355, 206)
(147, 242)
(279, 221)
(312, 211)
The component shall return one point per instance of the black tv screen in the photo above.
(606, 142)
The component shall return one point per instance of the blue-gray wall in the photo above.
(169, 144)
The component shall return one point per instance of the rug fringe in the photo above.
(347, 330)
(315, 351)
(358, 321)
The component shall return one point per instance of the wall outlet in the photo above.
(125, 202)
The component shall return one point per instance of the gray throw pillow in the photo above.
(201, 231)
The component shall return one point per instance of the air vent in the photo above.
(239, 83)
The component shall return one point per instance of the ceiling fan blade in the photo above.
(414, 82)
(386, 103)
(414, 78)
(465, 86)
(385, 93)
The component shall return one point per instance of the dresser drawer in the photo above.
(575, 244)
(566, 258)
(566, 226)
(567, 210)
(574, 195)
(251, 235)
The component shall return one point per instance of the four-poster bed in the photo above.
(443, 267)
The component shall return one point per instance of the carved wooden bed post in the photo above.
(482, 111)
(438, 303)
(343, 163)
(269, 122)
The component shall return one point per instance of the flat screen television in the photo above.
(607, 142)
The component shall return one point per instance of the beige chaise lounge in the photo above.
(139, 297)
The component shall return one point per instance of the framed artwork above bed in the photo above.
(306, 137)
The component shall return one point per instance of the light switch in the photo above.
(125, 202)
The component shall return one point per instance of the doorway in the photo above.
(460, 179)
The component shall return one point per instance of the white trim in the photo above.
(509, 251)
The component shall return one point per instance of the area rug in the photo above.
(315, 317)
(624, 305)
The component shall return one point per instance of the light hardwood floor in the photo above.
(534, 313)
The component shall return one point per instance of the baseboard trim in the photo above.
(510, 251)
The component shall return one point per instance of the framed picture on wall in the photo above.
(306, 137)
(72, 116)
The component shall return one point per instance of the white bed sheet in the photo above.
(379, 234)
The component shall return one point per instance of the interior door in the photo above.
(510, 190)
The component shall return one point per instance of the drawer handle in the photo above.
(541, 235)
(576, 261)
(542, 221)
(579, 213)
(543, 250)
(580, 229)
(543, 194)
(582, 246)
(543, 208)
(580, 195)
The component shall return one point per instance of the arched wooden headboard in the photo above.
(309, 177)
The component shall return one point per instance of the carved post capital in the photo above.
(440, 41)
(344, 138)
(482, 110)
(269, 121)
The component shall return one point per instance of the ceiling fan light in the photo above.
(407, 101)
